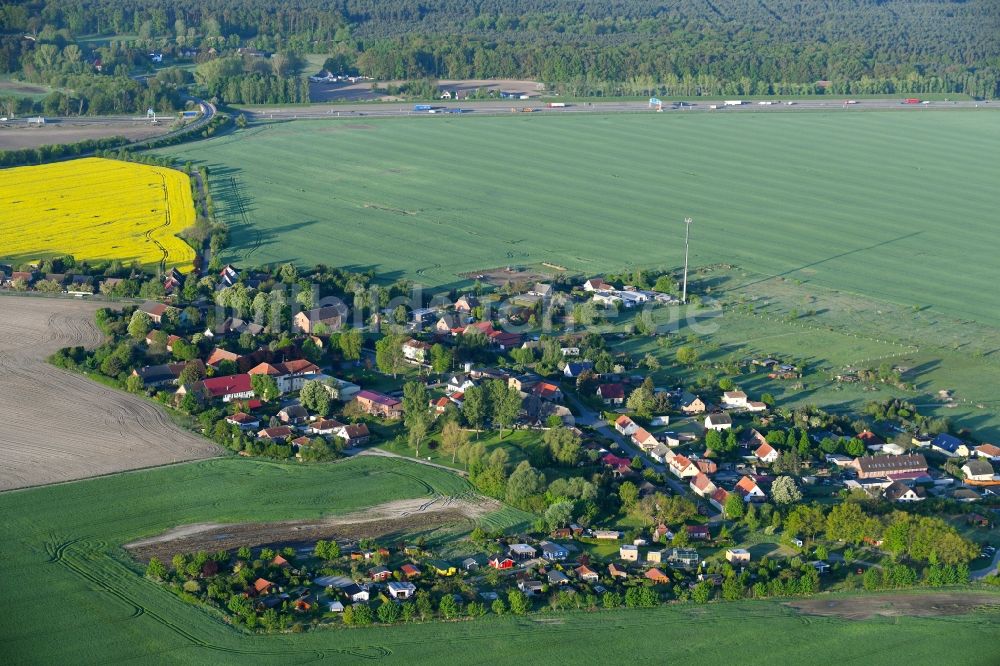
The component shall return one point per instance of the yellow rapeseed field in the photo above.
(96, 209)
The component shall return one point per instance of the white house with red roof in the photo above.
(749, 490)
(597, 284)
(644, 440)
(766, 453)
(682, 467)
(718, 498)
(226, 388)
(611, 394)
(290, 375)
(244, 421)
(625, 425)
(702, 486)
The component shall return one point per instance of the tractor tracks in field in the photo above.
(245, 219)
(86, 558)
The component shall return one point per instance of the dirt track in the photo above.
(393, 517)
(894, 605)
(58, 426)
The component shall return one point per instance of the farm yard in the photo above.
(96, 210)
(65, 547)
(60, 426)
(840, 199)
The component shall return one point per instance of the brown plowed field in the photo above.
(58, 426)
(401, 516)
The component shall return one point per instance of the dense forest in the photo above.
(585, 47)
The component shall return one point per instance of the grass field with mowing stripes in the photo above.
(899, 206)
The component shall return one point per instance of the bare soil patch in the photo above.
(14, 136)
(503, 275)
(59, 426)
(390, 518)
(897, 605)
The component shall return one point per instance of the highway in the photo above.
(504, 107)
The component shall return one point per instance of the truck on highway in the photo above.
(422, 107)
(911, 100)
(556, 105)
(733, 102)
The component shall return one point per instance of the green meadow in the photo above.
(899, 206)
(71, 594)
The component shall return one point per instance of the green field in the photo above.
(898, 205)
(72, 596)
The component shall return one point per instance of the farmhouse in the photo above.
(692, 404)
(899, 492)
(243, 421)
(416, 351)
(379, 405)
(682, 467)
(324, 427)
(611, 394)
(748, 488)
(734, 399)
(332, 317)
(702, 486)
(656, 576)
(275, 434)
(871, 467)
(978, 470)
(354, 435)
(718, 422)
(596, 284)
(219, 355)
(766, 453)
(153, 376)
(226, 388)
(949, 445)
(644, 439)
(625, 425)
(988, 451)
(156, 311)
(289, 376)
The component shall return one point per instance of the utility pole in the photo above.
(687, 238)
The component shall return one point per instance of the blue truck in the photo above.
(422, 107)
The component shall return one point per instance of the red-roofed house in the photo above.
(718, 499)
(611, 394)
(547, 391)
(596, 284)
(706, 466)
(611, 460)
(409, 571)
(227, 387)
(644, 440)
(354, 435)
(171, 339)
(219, 355)
(682, 467)
(262, 586)
(438, 406)
(988, 451)
(625, 425)
(766, 453)
(290, 375)
(380, 405)
(698, 532)
(702, 485)
(870, 438)
(243, 420)
(275, 434)
(656, 576)
(749, 490)
(500, 562)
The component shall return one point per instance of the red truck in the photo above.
(911, 100)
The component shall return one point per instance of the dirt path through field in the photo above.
(59, 426)
(895, 605)
(392, 517)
